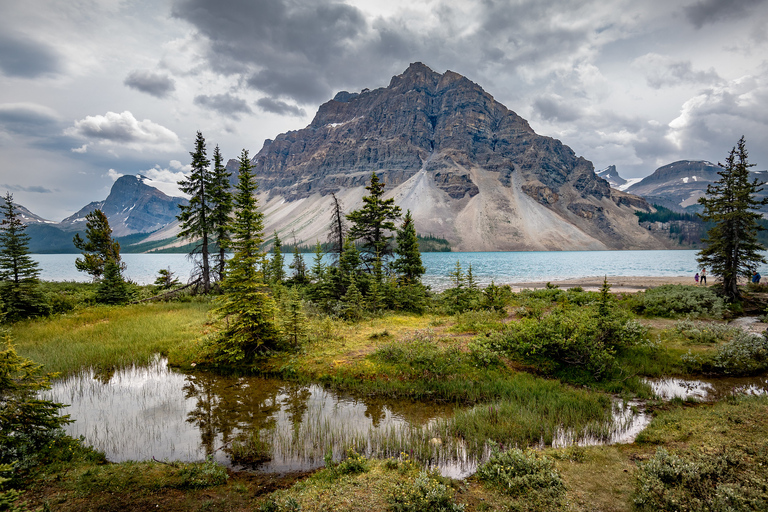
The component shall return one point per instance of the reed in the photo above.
(108, 337)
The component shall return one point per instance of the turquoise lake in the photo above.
(501, 267)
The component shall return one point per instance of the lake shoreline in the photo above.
(618, 283)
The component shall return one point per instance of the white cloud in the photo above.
(113, 174)
(166, 180)
(124, 130)
(82, 149)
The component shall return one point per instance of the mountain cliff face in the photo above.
(679, 185)
(469, 169)
(131, 207)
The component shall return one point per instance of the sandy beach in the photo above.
(618, 283)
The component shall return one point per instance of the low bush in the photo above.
(699, 482)
(673, 300)
(426, 492)
(354, 464)
(421, 355)
(198, 475)
(522, 472)
(704, 333)
(745, 354)
(252, 447)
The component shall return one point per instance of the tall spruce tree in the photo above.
(220, 198)
(195, 218)
(298, 266)
(19, 273)
(277, 272)
(246, 306)
(731, 248)
(372, 223)
(98, 247)
(408, 264)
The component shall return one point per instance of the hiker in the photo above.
(704, 276)
(756, 277)
(696, 278)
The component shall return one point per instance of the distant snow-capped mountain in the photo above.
(611, 175)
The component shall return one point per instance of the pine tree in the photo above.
(195, 218)
(19, 273)
(408, 264)
(112, 288)
(372, 222)
(98, 247)
(166, 279)
(318, 267)
(220, 199)
(245, 305)
(731, 247)
(295, 325)
(298, 266)
(277, 272)
(338, 231)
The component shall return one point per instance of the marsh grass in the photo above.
(109, 337)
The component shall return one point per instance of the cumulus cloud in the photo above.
(166, 180)
(124, 130)
(224, 104)
(723, 113)
(713, 11)
(663, 70)
(555, 108)
(113, 174)
(22, 57)
(280, 107)
(154, 84)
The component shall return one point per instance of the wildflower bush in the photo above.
(673, 300)
(517, 472)
(354, 464)
(699, 482)
(426, 492)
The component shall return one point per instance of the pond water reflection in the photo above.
(706, 389)
(143, 412)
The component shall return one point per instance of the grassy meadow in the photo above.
(515, 375)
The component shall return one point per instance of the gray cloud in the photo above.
(154, 84)
(19, 188)
(27, 118)
(280, 107)
(224, 104)
(25, 58)
(712, 11)
(661, 71)
(555, 109)
(124, 130)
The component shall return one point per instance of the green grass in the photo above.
(108, 337)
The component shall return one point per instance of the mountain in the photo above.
(469, 169)
(611, 175)
(679, 185)
(132, 206)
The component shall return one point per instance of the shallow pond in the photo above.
(708, 389)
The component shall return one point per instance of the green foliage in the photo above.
(372, 222)
(522, 472)
(196, 217)
(27, 423)
(199, 475)
(704, 333)
(220, 199)
(19, 286)
(408, 264)
(700, 482)
(251, 447)
(289, 504)
(430, 243)
(276, 270)
(663, 214)
(731, 247)
(165, 279)
(744, 354)
(98, 248)
(671, 300)
(299, 267)
(421, 355)
(294, 322)
(249, 312)
(426, 492)
(112, 288)
(354, 464)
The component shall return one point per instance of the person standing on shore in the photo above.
(703, 276)
(696, 278)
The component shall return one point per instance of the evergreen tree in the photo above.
(318, 267)
(112, 288)
(277, 271)
(166, 279)
(731, 247)
(220, 199)
(295, 325)
(248, 309)
(338, 232)
(298, 266)
(350, 304)
(98, 247)
(408, 264)
(195, 218)
(372, 222)
(19, 273)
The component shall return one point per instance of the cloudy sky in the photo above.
(93, 89)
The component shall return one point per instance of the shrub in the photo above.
(698, 482)
(197, 475)
(745, 354)
(426, 492)
(252, 447)
(421, 355)
(354, 464)
(274, 505)
(517, 472)
(703, 332)
(673, 300)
